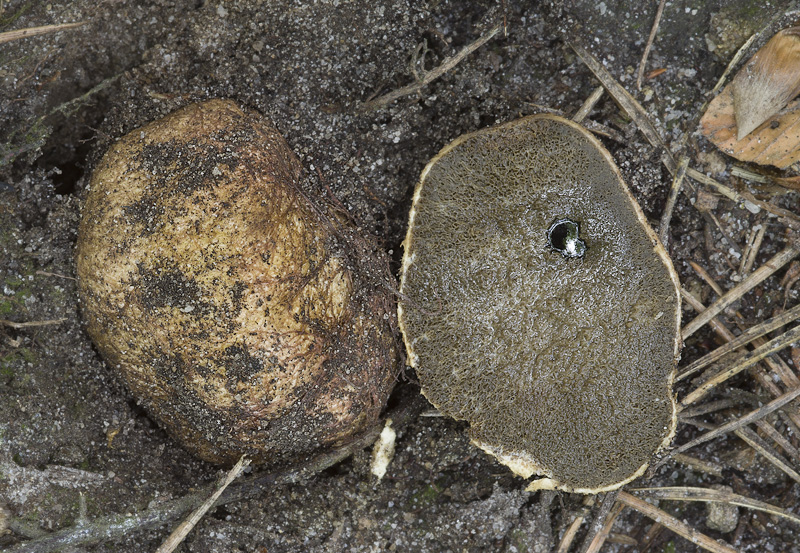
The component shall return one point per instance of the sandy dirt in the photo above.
(74, 445)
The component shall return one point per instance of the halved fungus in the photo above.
(539, 306)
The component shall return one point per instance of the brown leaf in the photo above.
(767, 82)
(775, 142)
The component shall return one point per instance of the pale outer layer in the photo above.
(221, 297)
(524, 463)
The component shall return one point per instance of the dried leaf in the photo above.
(776, 142)
(767, 82)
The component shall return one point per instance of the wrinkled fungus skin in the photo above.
(230, 309)
(563, 366)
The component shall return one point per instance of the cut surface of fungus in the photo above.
(562, 364)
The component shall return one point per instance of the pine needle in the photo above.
(680, 528)
(746, 361)
(742, 340)
(754, 279)
(679, 493)
(8, 36)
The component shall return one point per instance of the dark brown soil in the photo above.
(74, 445)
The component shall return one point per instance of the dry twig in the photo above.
(595, 528)
(29, 324)
(711, 495)
(180, 533)
(746, 361)
(767, 452)
(723, 189)
(649, 45)
(588, 105)
(8, 36)
(46, 273)
(733, 425)
(752, 280)
(677, 182)
(779, 439)
(734, 61)
(754, 242)
(600, 538)
(680, 528)
(430, 76)
(740, 341)
(572, 530)
(699, 464)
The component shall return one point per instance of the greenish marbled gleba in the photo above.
(562, 362)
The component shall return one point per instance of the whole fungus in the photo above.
(243, 321)
(561, 356)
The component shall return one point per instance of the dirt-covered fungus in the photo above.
(539, 306)
(242, 320)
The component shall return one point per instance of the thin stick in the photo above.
(767, 452)
(740, 341)
(8, 36)
(725, 235)
(735, 60)
(183, 529)
(45, 273)
(750, 202)
(752, 416)
(572, 531)
(430, 76)
(750, 282)
(677, 182)
(29, 324)
(680, 528)
(747, 174)
(763, 378)
(706, 408)
(779, 439)
(601, 537)
(747, 360)
(699, 464)
(726, 191)
(753, 246)
(650, 40)
(650, 536)
(785, 216)
(628, 103)
(588, 105)
(676, 493)
(599, 522)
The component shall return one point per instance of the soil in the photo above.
(75, 446)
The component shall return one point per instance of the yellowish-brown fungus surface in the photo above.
(563, 366)
(222, 298)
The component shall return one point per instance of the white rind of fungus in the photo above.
(383, 452)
